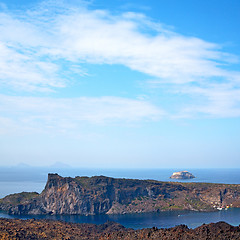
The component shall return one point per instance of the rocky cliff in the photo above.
(104, 195)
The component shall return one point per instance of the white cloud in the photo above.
(25, 72)
(35, 44)
(97, 36)
(29, 114)
(102, 38)
(212, 100)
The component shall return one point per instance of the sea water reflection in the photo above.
(148, 220)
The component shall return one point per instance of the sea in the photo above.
(29, 179)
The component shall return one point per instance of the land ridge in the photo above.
(50, 229)
(106, 195)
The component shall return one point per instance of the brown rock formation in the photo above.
(98, 195)
(46, 229)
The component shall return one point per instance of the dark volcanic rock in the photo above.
(47, 229)
(104, 195)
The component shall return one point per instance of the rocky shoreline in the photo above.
(105, 195)
(49, 229)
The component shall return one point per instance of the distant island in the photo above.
(182, 175)
(105, 195)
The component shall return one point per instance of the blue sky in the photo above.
(120, 84)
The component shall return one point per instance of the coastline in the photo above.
(163, 219)
(106, 195)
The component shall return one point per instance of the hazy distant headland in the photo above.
(105, 195)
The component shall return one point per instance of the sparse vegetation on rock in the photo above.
(104, 195)
(46, 229)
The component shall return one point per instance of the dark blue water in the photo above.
(14, 180)
(145, 220)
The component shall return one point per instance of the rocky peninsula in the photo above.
(47, 229)
(105, 195)
(182, 175)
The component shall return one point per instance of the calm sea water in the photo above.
(13, 180)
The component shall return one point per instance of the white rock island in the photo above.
(182, 175)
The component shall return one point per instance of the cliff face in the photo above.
(104, 195)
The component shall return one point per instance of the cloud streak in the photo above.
(81, 35)
(36, 45)
(60, 115)
(214, 100)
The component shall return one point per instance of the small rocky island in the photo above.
(182, 175)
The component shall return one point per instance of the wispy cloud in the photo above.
(60, 115)
(26, 72)
(36, 44)
(213, 100)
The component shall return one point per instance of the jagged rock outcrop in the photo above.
(104, 195)
(182, 175)
(47, 229)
